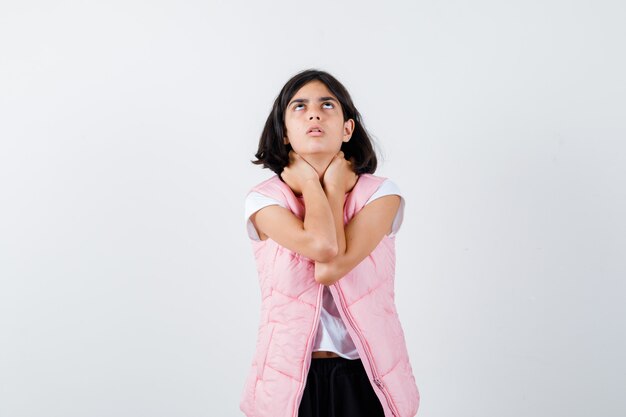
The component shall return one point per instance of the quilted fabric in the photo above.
(290, 309)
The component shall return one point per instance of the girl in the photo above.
(329, 342)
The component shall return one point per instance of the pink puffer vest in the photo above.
(290, 310)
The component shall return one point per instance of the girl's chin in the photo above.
(318, 151)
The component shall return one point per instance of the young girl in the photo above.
(329, 343)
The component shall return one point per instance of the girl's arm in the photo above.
(315, 237)
(362, 234)
(364, 231)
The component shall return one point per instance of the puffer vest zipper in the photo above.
(290, 311)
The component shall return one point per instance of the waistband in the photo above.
(326, 365)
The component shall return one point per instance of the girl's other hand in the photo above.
(339, 175)
(298, 172)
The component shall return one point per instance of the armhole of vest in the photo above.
(399, 217)
(253, 234)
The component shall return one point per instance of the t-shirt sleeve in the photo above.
(255, 201)
(386, 188)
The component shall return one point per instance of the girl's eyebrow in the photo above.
(306, 100)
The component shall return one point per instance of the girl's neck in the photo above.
(319, 162)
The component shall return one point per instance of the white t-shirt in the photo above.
(332, 334)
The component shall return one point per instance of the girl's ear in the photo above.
(348, 128)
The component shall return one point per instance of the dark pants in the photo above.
(339, 387)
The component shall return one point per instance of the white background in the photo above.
(127, 282)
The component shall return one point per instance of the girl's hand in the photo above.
(339, 175)
(298, 172)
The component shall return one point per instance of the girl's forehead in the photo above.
(314, 86)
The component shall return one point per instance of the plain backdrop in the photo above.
(127, 281)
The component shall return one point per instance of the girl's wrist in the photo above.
(311, 183)
(334, 189)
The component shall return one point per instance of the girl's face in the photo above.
(314, 105)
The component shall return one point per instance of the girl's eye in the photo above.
(328, 102)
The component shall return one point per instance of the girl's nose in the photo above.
(313, 112)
